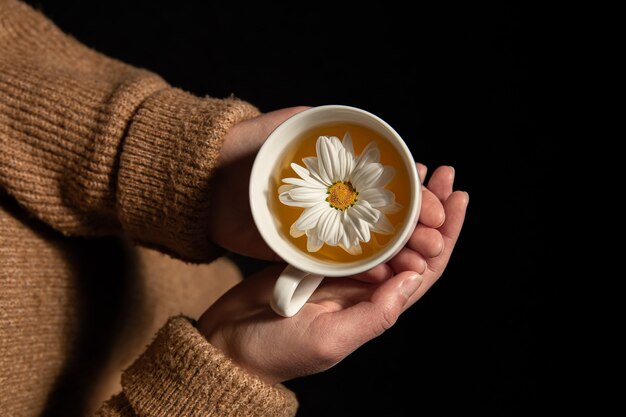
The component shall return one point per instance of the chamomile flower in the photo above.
(343, 195)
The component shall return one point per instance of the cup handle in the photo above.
(292, 290)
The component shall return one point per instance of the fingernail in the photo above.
(453, 172)
(410, 285)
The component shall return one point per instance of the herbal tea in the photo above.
(346, 196)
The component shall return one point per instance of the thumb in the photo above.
(369, 319)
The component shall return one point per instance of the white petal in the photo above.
(328, 226)
(309, 217)
(349, 165)
(352, 250)
(340, 164)
(364, 230)
(294, 231)
(341, 231)
(303, 172)
(360, 227)
(366, 176)
(336, 153)
(347, 144)
(385, 177)
(370, 154)
(286, 199)
(352, 226)
(393, 208)
(324, 159)
(378, 197)
(336, 143)
(308, 195)
(313, 243)
(347, 229)
(353, 237)
(312, 165)
(327, 159)
(305, 175)
(364, 211)
(383, 226)
(350, 240)
(304, 183)
(345, 164)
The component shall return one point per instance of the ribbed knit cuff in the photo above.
(166, 165)
(182, 374)
(117, 406)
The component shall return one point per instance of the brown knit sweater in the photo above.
(96, 156)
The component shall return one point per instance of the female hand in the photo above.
(343, 313)
(232, 226)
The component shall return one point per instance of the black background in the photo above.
(468, 86)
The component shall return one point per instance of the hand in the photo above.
(232, 226)
(343, 313)
(430, 246)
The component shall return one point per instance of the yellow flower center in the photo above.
(341, 195)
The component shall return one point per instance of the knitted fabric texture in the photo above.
(93, 152)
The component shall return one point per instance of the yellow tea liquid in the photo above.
(303, 147)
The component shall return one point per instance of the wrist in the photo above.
(218, 339)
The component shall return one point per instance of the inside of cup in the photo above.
(262, 186)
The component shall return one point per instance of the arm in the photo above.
(93, 146)
(182, 374)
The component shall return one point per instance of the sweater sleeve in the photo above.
(181, 374)
(93, 146)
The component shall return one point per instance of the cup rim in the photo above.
(306, 262)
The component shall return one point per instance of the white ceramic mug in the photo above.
(304, 272)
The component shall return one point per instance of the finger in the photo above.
(355, 325)
(427, 241)
(422, 170)
(408, 260)
(274, 118)
(456, 208)
(379, 273)
(441, 181)
(431, 213)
